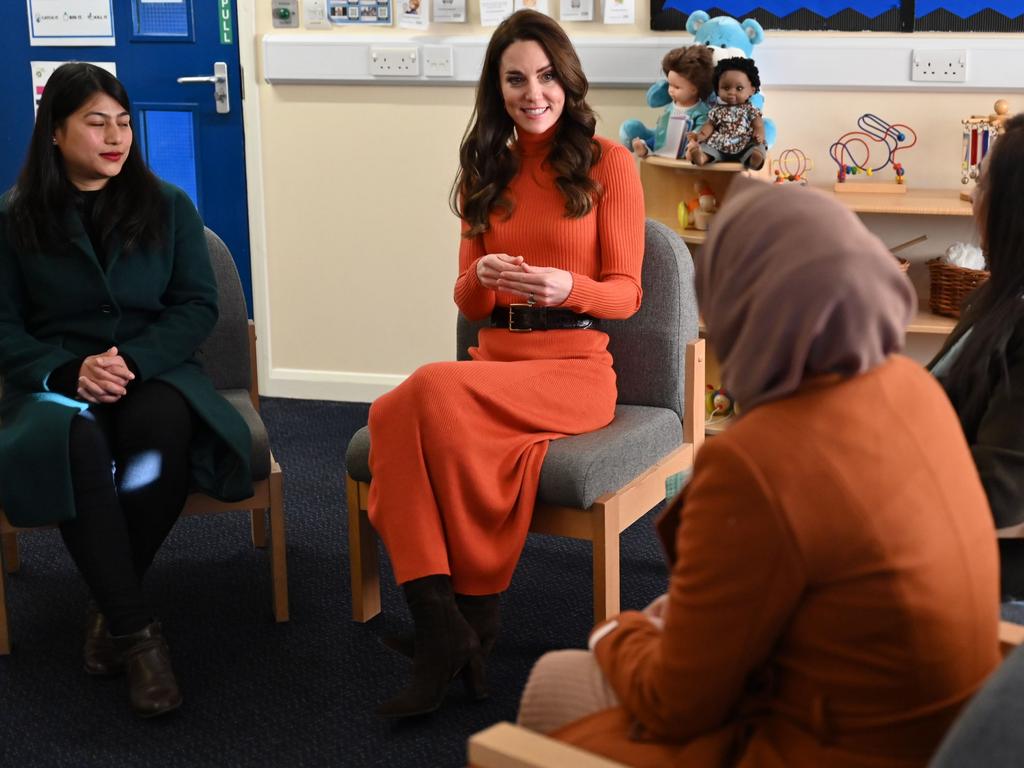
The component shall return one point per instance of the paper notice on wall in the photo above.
(533, 5)
(70, 22)
(413, 14)
(493, 12)
(619, 11)
(576, 10)
(449, 11)
(41, 71)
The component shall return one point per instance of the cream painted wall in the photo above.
(360, 244)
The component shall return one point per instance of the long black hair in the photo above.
(996, 309)
(487, 163)
(130, 203)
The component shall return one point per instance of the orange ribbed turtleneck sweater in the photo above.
(603, 250)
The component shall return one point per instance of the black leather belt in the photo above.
(522, 318)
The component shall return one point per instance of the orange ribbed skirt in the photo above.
(456, 450)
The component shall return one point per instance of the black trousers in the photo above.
(130, 474)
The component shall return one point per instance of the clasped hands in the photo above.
(547, 286)
(104, 378)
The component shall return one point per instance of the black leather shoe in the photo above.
(151, 685)
(445, 645)
(101, 659)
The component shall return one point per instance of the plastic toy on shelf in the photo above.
(852, 154)
(980, 133)
(791, 167)
(694, 212)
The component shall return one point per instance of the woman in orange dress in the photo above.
(833, 598)
(552, 222)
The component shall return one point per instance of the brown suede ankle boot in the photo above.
(101, 659)
(151, 685)
(444, 645)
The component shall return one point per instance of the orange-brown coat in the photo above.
(834, 596)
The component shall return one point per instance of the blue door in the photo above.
(190, 132)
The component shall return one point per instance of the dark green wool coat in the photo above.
(156, 305)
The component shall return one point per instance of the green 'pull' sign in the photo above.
(227, 36)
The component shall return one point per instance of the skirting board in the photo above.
(867, 61)
(338, 386)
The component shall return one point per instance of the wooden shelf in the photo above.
(686, 165)
(927, 322)
(690, 236)
(914, 202)
(719, 426)
(922, 322)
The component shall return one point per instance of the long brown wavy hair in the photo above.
(486, 161)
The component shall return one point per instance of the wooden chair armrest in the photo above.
(1010, 636)
(505, 745)
(254, 394)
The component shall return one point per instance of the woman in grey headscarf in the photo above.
(833, 594)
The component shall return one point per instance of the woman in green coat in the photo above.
(107, 420)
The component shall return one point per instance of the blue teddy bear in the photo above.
(727, 37)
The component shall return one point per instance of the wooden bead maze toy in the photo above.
(852, 154)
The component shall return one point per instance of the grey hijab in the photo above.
(791, 285)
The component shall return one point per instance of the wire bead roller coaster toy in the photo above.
(980, 133)
(890, 138)
(791, 167)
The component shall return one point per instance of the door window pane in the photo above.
(168, 144)
(157, 19)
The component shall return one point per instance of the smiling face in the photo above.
(533, 96)
(734, 87)
(681, 90)
(94, 142)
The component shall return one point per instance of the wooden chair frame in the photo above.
(268, 496)
(601, 524)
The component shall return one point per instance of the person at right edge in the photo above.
(981, 365)
(833, 595)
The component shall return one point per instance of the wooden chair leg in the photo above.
(364, 567)
(11, 556)
(278, 548)
(258, 522)
(5, 637)
(606, 563)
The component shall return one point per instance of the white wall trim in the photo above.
(869, 61)
(252, 129)
(341, 386)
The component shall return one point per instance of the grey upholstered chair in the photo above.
(987, 734)
(229, 358)
(594, 486)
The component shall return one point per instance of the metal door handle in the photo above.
(219, 78)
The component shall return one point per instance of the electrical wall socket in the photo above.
(438, 61)
(395, 62)
(939, 66)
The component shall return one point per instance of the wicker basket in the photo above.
(950, 284)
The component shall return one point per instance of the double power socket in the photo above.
(411, 61)
(939, 66)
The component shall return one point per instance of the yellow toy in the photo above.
(695, 212)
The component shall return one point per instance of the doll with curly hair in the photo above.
(688, 71)
(734, 130)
